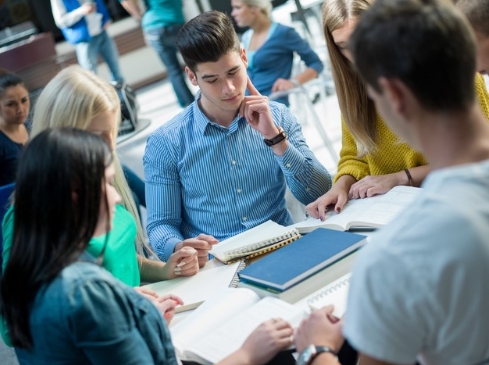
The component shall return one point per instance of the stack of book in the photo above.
(303, 266)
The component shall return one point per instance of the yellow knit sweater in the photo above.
(391, 155)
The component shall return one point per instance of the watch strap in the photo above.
(277, 139)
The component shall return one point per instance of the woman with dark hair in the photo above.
(59, 304)
(14, 133)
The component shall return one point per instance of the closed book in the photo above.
(302, 258)
(307, 286)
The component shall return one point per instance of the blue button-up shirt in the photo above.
(205, 178)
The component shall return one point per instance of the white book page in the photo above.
(223, 306)
(226, 339)
(263, 232)
(388, 206)
(200, 287)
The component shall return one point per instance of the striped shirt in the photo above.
(205, 178)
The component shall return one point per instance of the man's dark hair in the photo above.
(477, 12)
(427, 44)
(206, 38)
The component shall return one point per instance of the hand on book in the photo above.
(320, 328)
(202, 243)
(337, 196)
(376, 185)
(184, 262)
(267, 340)
(165, 303)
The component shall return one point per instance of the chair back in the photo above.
(5, 193)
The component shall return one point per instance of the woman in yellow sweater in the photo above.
(372, 158)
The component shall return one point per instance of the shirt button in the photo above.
(245, 218)
(233, 162)
(288, 165)
(239, 190)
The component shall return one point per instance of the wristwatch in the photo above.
(277, 139)
(310, 352)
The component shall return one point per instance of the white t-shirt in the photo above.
(420, 288)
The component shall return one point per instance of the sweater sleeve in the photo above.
(350, 163)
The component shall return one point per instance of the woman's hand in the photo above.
(376, 185)
(164, 303)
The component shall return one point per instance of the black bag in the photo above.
(129, 108)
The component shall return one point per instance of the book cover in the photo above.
(302, 258)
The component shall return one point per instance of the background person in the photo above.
(161, 22)
(270, 49)
(83, 24)
(14, 131)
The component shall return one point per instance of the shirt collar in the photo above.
(203, 123)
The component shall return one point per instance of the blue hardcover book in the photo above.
(300, 259)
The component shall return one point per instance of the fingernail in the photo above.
(338, 210)
(181, 263)
(177, 272)
(167, 315)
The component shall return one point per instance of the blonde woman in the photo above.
(372, 159)
(80, 99)
(270, 59)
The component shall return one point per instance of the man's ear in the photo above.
(191, 76)
(397, 93)
(244, 58)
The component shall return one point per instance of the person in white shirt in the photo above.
(419, 289)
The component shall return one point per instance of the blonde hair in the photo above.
(72, 99)
(264, 5)
(358, 110)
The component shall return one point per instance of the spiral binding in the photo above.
(238, 252)
(235, 280)
(329, 290)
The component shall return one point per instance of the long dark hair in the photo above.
(58, 195)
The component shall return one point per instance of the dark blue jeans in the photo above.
(163, 41)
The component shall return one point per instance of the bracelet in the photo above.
(295, 82)
(410, 178)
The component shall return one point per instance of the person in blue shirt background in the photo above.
(209, 175)
(83, 23)
(270, 49)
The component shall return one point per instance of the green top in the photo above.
(161, 13)
(119, 258)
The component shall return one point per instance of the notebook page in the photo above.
(335, 293)
(228, 338)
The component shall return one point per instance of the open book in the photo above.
(371, 212)
(220, 326)
(194, 290)
(264, 238)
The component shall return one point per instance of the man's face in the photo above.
(482, 53)
(222, 83)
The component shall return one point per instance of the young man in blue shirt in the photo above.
(222, 165)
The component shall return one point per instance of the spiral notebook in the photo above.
(335, 293)
(261, 239)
